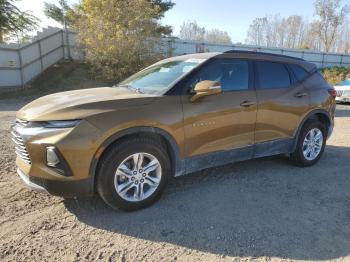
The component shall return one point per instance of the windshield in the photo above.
(157, 79)
(344, 83)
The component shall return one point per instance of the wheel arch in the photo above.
(171, 144)
(317, 114)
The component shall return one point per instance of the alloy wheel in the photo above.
(137, 177)
(312, 144)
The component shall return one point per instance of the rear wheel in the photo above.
(133, 173)
(311, 144)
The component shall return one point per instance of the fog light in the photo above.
(51, 157)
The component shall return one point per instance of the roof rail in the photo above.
(262, 53)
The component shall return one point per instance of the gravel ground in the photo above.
(263, 210)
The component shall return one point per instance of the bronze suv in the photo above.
(180, 115)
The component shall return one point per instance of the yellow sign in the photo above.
(11, 63)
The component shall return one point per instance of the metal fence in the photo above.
(21, 63)
(320, 59)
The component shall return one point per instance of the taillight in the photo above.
(332, 93)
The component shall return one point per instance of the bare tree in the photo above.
(190, 30)
(331, 17)
(296, 32)
(293, 25)
(330, 32)
(217, 36)
(311, 39)
(342, 42)
(256, 32)
(282, 31)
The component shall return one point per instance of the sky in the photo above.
(232, 16)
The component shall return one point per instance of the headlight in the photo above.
(61, 123)
(54, 124)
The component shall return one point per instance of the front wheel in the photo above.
(310, 145)
(133, 173)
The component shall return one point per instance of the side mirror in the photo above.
(206, 88)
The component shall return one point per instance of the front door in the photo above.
(225, 121)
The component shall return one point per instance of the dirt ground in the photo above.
(259, 210)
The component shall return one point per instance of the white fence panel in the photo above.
(293, 53)
(346, 59)
(21, 63)
(30, 53)
(73, 48)
(215, 48)
(52, 57)
(246, 48)
(51, 43)
(32, 70)
(9, 58)
(10, 78)
(183, 48)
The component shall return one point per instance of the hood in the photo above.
(79, 104)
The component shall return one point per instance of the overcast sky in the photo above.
(233, 16)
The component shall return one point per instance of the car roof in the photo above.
(262, 53)
(197, 56)
(310, 67)
(246, 54)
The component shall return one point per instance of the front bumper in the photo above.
(330, 130)
(29, 183)
(81, 188)
(76, 146)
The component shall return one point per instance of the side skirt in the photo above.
(197, 163)
(274, 147)
(269, 148)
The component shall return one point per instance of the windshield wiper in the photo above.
(137, 90)
(125, 86)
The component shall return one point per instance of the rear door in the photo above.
(282, 101)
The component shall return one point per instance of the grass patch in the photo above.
(336, 74)
(63, 76)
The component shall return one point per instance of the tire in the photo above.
(298, 157)
(118, 171)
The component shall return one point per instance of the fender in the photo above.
(307, 117)
(179, 166)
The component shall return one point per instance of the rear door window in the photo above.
(271, 75)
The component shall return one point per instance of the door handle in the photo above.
(247, 103)
(299, 95)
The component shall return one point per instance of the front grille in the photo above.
(339, 93)
(20, 147)
(21, 123)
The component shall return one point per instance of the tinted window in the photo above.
(272, 75)
(230, 73)
(299, 72)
